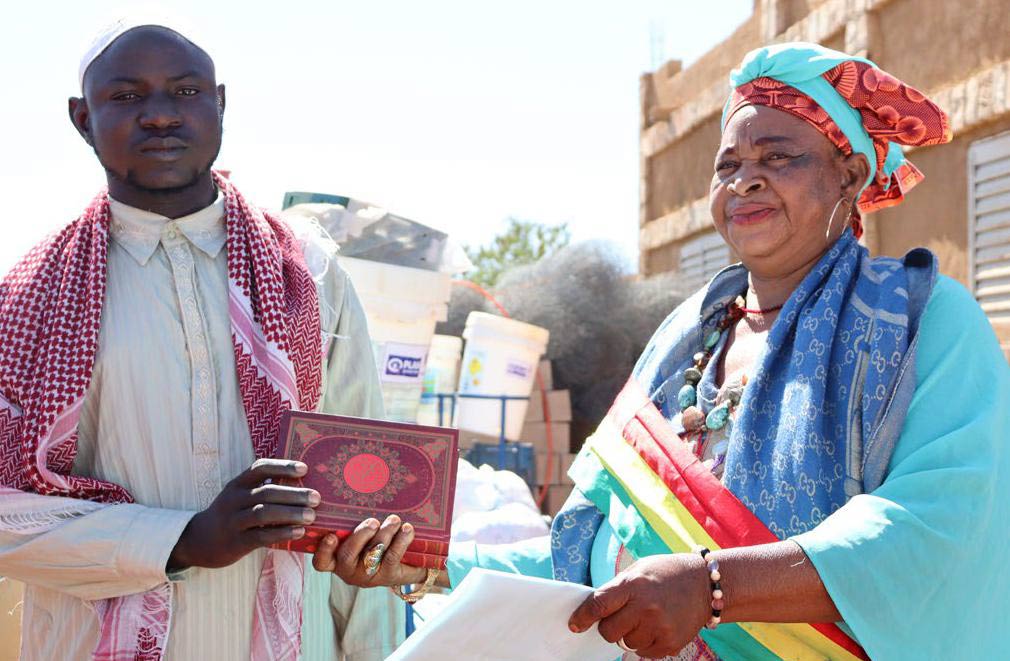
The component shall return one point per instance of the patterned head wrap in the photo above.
(860, 108)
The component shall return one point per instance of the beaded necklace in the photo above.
(694, 420)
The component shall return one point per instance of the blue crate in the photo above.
(519, 458)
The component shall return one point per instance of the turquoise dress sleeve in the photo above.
(917, 568)
(530, 557)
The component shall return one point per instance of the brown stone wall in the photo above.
(661, 260)
(713, 65)
(935, 214)
(836, 41)
(681, 174)
(797, 10)
(932, 43)
(654, 94)
(957, 50)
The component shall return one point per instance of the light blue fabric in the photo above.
(603, 563)
(572, 533)
(812, 421)
(818, 423)
(801, 65)
(531, 557)
(917, 567)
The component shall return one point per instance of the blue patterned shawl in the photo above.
(818, 422)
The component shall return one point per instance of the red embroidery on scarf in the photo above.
(50, 313)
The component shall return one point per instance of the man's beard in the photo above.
(130, 180)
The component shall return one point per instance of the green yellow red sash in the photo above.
(660, 498)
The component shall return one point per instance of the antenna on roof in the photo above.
(657, 45)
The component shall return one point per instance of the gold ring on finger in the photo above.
(373, 559)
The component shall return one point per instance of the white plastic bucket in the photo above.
(441, 374)
(402, 305)
(501, 358)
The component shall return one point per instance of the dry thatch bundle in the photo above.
(599, 316)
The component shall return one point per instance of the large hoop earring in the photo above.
(831, 219)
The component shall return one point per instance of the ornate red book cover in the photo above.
(373, 468)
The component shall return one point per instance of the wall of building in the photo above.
(934, 215)
(932, 43)
(677, 175)
(957, 52)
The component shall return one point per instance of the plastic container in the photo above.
(292, 198)
(441, 374)
(402, 305)
(501, 358)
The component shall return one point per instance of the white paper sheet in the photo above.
(494, 616)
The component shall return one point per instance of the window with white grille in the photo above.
(701, 258)
(989, 224)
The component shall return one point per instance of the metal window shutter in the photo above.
(701, 258)
(989, 225)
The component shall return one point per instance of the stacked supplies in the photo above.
(531, 458)
(552, 463)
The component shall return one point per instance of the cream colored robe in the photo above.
(164, 418)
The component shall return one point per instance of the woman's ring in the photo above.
(373, 560)
(624, 646)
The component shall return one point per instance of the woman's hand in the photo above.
(346, 559)
(657, 606)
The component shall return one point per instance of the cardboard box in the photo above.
(559, 403)
(566, 463)
(556, 497)
(468, 439)
(547, 376)
(554, 476)
(536, 433)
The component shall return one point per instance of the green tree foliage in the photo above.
(522, 242)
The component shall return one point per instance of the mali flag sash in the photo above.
(660, 499)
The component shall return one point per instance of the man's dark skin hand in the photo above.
(248, 514)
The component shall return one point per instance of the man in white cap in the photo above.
(147, 351)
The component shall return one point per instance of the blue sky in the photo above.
(457, 114)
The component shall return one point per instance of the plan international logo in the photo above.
(404, 366)
(517, 369)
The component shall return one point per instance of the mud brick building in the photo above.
(956, 52)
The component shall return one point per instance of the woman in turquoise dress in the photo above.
(809, 461)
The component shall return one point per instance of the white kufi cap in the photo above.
(124, 24)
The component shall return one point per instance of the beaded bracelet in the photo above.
(714, 577)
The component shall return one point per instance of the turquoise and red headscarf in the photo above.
(859, 107)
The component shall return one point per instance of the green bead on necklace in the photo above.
(718, 417)
(693, 418)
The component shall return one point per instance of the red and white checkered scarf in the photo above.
(50, 314)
